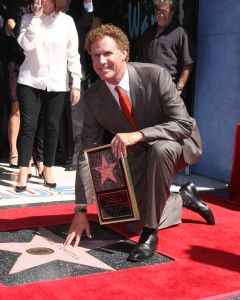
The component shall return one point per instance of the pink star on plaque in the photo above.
(106, 170)
(52, 244)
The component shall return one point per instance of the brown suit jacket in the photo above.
(159, 112)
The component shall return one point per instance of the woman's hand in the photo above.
(75, 96)
(10, 24)
(37, 8)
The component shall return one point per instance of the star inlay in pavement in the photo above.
(55, 250)
(106, 170)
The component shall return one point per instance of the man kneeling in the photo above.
(153, 130)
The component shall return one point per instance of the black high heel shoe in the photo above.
(20, 189)
(38, 174)
(10, 163)
(50, 185)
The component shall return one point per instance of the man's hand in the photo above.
(75, 96)
(122, 140)
(37, 8)
(79, 224)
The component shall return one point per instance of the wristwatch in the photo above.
(79, 209)
(179, 87)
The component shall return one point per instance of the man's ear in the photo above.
(124, 54)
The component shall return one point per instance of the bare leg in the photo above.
(30, 169)
(23, 176)
(13, 129)
(47, 172)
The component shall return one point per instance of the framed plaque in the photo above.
(112, 186)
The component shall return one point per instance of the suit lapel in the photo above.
(111, 106)
(137, 92)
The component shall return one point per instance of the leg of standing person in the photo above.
(3, 113)
(77, 124)
(13, 129)
(53, 103)
(29, 105)
(65, 137)
(39, 136)
(14, 118)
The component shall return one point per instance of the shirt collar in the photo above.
(170, 27)
(124, 83)
(52, 16)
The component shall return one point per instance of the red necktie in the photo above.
(126, 107)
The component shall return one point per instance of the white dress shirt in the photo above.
(50, 45)
(124, 85)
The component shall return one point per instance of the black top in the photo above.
(171, 49)
(83, 21)
(15, 51)
(3, 47)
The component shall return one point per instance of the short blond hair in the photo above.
(112, 31)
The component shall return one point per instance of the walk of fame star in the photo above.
(106, 170)
(54, 250)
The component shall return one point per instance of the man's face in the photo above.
(108, 61)
(163, 15)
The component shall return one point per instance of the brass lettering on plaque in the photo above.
(40, 251)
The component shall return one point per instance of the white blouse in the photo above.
(50, 45)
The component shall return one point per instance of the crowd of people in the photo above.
(30, 62)
(141, 104)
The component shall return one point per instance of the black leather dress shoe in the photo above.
(145, 247)
(194, 203)
(71, 167)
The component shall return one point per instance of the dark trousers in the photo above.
(65, 136)
(71, 128)
(39, 137)
(30, 102)
(77, 123)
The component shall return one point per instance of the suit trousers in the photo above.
(156, 208)
(30, 102)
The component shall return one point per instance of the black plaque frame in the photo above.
(112, 186)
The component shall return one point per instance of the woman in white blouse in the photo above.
(50, 42)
